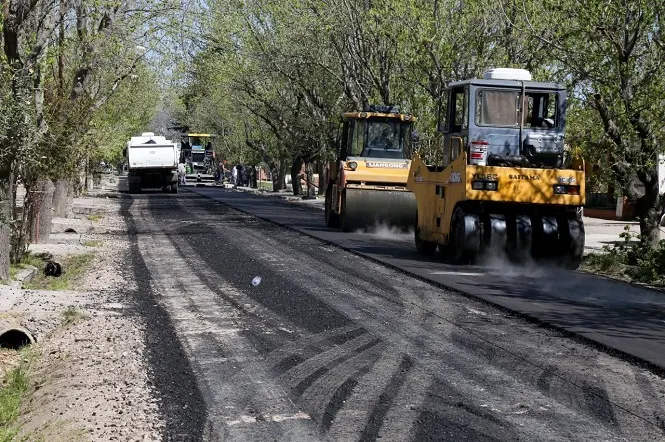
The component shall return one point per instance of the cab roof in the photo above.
(508, 84)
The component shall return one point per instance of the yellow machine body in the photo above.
(505, 182)
(366, 185)
(439, 192)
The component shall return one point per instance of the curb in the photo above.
(288, 198)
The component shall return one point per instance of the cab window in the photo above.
(356, 131)
(458, 114)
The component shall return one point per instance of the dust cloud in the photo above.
(496, 261)
(382, 230)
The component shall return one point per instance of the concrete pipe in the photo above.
(13, 336)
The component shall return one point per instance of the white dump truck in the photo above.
(152, 162)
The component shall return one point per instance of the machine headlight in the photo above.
(561, 189)
(353, 165)
(485, 185)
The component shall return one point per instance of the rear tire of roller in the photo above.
(464, 245)
(572, 242)
(344, 222)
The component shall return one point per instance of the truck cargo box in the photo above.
(152, 152)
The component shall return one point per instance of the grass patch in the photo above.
(630, 260)
(73, 268)
(95, 217)
(93, 243)
(265, 185)
(28, 260)
(15, 388)
(71, 315)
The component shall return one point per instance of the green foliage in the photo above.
(631, 258)
(128, 112)
(73, 269)
(15, 387)
(75, 84)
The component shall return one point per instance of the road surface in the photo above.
(616, 315)
(329, 345)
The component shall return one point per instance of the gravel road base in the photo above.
(91, 381)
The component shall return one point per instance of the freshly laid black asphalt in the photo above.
(331, 346)
(618, 316)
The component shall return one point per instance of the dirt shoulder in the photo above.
(86, 376)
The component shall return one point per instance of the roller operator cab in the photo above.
(366, 185)
(507, 183)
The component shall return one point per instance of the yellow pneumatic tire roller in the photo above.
(363, 209)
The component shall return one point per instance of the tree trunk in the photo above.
(279, 178)
(6, 205)
(296, 165)
(70, 199)
(322, 178)
(60, 198)
(311, 190)
(648, 212)
(649, 229)
(41, 212)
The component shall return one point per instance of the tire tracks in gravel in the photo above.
(242, 400)
(404, 370)
(181, 403)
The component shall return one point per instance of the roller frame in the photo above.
(422, 246)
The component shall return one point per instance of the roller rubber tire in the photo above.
(572, 253)
(459, 251)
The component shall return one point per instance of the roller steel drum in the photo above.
(366, 208)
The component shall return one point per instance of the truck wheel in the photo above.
(174, 188)
(134, 188)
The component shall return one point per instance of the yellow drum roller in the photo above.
(366, 185)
